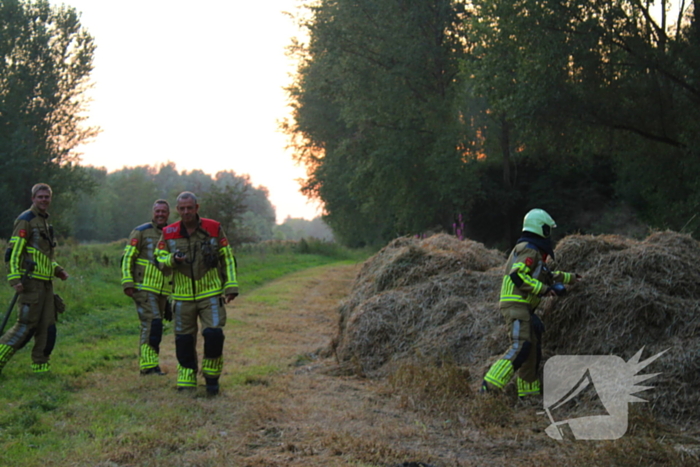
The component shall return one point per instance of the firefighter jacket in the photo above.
(209, 267)
(527, 277)
(32, 240)
(139, 266)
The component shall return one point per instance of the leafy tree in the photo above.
(45, 62)
(596, 86)
(375, 120)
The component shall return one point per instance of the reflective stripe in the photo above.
(41, 367)
(516, 341)
(529, 389)
(186, 377)
(130, 252)
(148, 358)
(229, 261)
(212, 367)
(500, 373)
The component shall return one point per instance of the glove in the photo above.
(537, 326)
(559, 289)
(168, 312)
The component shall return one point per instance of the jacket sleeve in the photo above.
(563, 277)
(164, 258)
(520, 272)
(229, 263)
(131, 252)
(18, 243)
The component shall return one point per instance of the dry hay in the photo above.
(437, 298)
(419, 296)
(635, 294)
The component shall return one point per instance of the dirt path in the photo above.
(304, 416)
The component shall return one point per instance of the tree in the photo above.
(375, 120)
(591, 89)
(45, 62)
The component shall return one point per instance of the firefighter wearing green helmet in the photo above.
(526, 280)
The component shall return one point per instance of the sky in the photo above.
(196, 83)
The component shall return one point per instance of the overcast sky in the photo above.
(196, 83)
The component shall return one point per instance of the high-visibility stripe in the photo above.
(500, 373)
(186, 377)
(153, 278)
(212, 367)
(529, 389)
(230, 262)
(148, 358)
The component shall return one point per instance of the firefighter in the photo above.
(146, 284)
(204, 279)
(527, 279)
(32, 248)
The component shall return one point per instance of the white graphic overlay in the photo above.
(615, 382)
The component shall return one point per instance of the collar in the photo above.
(36, 211)
(183, 229)
(544, 244)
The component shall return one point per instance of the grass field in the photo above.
(93, 400)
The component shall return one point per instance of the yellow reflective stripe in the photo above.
(500, 373)
(567, 276)
(17, 244)
(148, 358)
(207, 286)
(164, 257)
(230, 262)
(521, 267)
(528, 389)
(129, 252)
(186, 377)
(212, 367)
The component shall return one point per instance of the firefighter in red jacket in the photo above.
(32, 249)
(146, 284)
(204, 278)
(527, 279)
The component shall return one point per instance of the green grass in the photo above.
(46, 420)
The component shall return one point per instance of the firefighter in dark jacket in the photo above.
(526, 280)
(32, 249)
(146, 284)
(204, 279)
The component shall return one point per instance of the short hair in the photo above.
(161, 201)
(186, 195)
(41, 187)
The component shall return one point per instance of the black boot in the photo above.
(212, 386)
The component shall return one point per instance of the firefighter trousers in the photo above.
(36, 319)
(523, 356)
(210, 313)
(150, 307)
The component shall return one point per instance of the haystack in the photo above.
(437, 298)
(419, 296)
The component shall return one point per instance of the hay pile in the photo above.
(432, 297)
(635, 294)
(438, 298)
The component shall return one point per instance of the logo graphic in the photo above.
(605, 380)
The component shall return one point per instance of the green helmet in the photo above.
(538, 222)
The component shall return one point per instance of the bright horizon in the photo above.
(201, 87)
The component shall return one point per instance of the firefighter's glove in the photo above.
(537, 326)
(168, 312)
(559, 289)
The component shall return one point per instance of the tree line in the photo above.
(408, 113)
